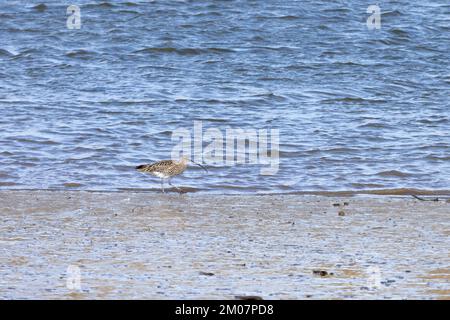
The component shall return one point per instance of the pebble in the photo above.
(322, 273)
(248, 297)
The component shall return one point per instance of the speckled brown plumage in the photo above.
(166, 169)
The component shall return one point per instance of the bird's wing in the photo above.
(160, 164)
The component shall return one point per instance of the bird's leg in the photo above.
(174, 186)
(162, 185)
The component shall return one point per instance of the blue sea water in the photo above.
(356, 109)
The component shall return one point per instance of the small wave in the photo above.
(212, 120)
(183, 51)
(366, 185)
(291, 154)
(208, 14)
(80, 53)
(393, 173)
(399, 32)
(282, 17)
(100, 5)
(127, 11)
(392, 41)
(5, 176)
(4, 52)
(36, 141)
(133, 123)
(87, 150)
(6, 154)
(336, 10)
(25, 53)
(347, 63)
(220, 50)
(393, 13)
(340, 150)
(438, 146)
(437, 158)
(186, 26)
(166, 133)
(40, 7)
(375, 125)
(288, 17)
(345, 99)
(433, 121)
(18, 29)
(206, 101)
(270, 95)
(274, 79)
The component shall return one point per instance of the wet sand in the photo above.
(138, 245)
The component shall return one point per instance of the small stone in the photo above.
(322, 273)
(248, 297)
(346, 203)
(336, 204)
(341, 213)
(209, 274)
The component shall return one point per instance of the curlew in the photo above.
(166, 169)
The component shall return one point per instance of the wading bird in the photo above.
(166, 169)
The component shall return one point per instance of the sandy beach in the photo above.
(151, 246)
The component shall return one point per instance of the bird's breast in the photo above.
(160, 175)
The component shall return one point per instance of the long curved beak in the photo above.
(199, 165)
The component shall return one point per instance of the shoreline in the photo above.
(188, 190)
(142, 245)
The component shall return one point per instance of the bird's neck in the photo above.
(183, 161)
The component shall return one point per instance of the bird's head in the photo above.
(140, 167)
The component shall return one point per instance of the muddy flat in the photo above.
(112, 245)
